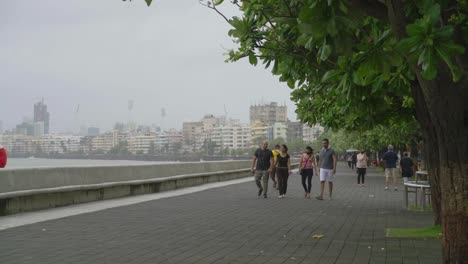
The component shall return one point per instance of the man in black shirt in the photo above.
(264, 158)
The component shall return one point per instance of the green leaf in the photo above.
(218, 2)
(454, 69)
(433, 13)
(253, 59)
(428, 64)
(148, 2)
(331, 76)
(324, 51)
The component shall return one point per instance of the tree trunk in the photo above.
(430, 150)
(447, 108)
(448, 112)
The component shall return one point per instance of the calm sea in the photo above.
(14, 163)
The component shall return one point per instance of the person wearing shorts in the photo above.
(390, 159)
(327, 165)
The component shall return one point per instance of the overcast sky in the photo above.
(101, 54)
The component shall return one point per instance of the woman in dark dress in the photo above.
(283, 170)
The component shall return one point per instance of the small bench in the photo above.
(413, 187)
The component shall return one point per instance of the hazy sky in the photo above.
(101, 54)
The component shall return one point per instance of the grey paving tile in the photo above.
(231, 225)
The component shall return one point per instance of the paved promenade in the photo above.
(231, 225)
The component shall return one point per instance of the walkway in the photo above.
(231, 225)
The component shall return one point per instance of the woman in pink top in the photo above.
(306, 169)
(361, 166)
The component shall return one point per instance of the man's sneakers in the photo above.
(395, 189)
(265, 196)
(260, 192)
(386, 188)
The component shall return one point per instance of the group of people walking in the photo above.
(276, 164)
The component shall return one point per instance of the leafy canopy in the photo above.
(348, 70)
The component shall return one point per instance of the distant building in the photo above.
(312, 133)
(17, 144)
(259, 132)
(38, 129)
(1, 127)
(41, 115)
(105, 142)
(268, 113)
(295, 131)
(25, 129)
(231, 136)
(210, 122)
(279, 130)
(93, 131)
(191, 131)
(142, 144)
(194, 133)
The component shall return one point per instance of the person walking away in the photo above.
(3, 157)
(283, 170)
(327, 165)
(263, 163)
(361, 167)
(306, 170)
(275, 152)
(407, 167)
(354, 161)
(350, 161)
(390, 159)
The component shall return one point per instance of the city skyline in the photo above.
(79, 127)
(89, 57)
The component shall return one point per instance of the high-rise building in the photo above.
(41, 115)
(268, 113)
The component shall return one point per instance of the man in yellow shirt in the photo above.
(275, 152)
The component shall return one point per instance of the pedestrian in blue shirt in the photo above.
(390, 159)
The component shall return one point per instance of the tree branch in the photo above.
(211, 5)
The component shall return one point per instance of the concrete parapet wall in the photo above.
(30, 179)
(107, 183)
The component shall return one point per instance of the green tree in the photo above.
(152, 148)
(120, 149)
(209, 147)
(63, 146)
(358, 64)
(176, 147)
